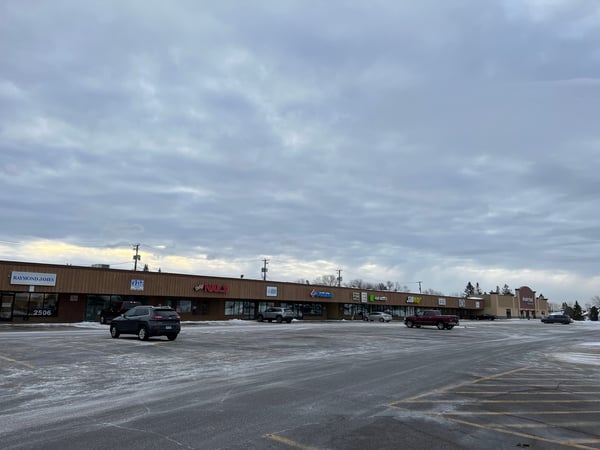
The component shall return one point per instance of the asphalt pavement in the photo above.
(308, 385)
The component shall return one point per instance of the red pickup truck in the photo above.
(432, 317)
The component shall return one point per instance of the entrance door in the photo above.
(6, 306)
(248, 311)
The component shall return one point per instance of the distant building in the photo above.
(522, 305)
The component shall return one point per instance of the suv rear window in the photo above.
(165, 313)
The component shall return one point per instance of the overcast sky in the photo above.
(434, 141)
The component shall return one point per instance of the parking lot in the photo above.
(351, 385)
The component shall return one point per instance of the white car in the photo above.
(379, 317)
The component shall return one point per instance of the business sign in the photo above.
(526, 298)
(364, 297)
(33, 278)
(413, 299)
(221, 289)
(314, 293)
(441, 301)
(136, 285)
(356, 296)
(378, 298)
(271, 291)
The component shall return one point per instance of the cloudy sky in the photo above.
(441, 142)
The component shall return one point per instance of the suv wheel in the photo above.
(114, 332)
(143, 334)
(260, 318)
(279, 319)
(172, 336)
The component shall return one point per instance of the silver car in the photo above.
(379, 317)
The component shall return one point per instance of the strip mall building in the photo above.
(64, 294)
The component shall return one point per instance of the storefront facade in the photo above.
(523, 305)
(58, 293)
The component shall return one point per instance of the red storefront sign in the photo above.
(206, 287)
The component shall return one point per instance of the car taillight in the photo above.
(157, 317)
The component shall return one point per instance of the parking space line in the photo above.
(523, 393)
(512, 413)
(14, 361)
(448, 388)
(288, 442)
(566, 443)
(469, 394)
(539, 385)
(452, 400)
(546, 425)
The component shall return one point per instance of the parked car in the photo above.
(277, 314)
(486, 316)
(379, 317)
(116, 309)
(557, 318)
(147, 321)
(431, 317)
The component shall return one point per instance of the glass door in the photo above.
(6, 306)
(249, 310)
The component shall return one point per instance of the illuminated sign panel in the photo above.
(206, 287)
(137, 285)
(271, 291)
(314, 293)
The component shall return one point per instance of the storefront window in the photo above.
(307, 309)
(184, 306)
(21, 306)
(234, 308)
(45, 305)
(95, 304)
(262, 306)
(35, 304)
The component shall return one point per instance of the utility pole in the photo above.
(339, 278)
(136, 257)
(264, 269)
(419, 286)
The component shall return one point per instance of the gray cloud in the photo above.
(439, 142)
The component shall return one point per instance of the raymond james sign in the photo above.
(33, 278)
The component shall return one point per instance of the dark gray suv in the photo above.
(146, 321)
(558, 318)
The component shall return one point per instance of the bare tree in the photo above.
(326, 280)
(357, 283)
(401, 287)
(432, 292)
